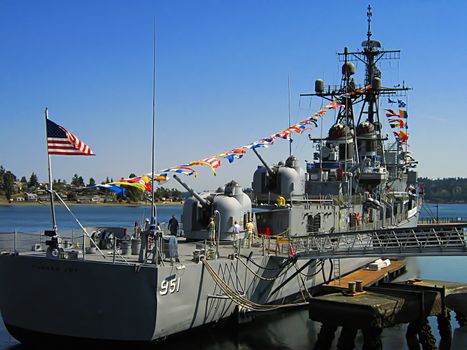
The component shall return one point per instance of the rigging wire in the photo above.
(300, 278)
(261, 267)
(265, 278)
(240, 299)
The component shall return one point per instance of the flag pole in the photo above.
(52, 205)
(153, 206)
(290, 138)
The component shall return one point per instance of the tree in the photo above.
(81, 181)
(176, 194)
(24, 181)
(33, 182)
(2, 172)
(8, 184)
(92, 182)
(71, 196)
(75, 180)
(133, 194)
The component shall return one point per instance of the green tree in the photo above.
(75, 180)
(58, 185)
(132, 194)
(176, 194)
(8, 184)
(71, 196)
(92, 182)
(2, 173)
(33, 182)
(81, 181)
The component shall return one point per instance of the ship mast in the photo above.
(350, 94)
(153, 205)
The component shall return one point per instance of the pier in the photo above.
(364, 300)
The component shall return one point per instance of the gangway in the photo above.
(424, 240)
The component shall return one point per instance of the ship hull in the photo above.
(94, 301)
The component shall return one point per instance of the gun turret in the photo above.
(270, 171)
(205, 203)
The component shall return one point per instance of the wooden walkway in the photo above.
(369, 277)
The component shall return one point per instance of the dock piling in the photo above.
(325, 337)
(347, 338)
(445, 330)
(372, 338)
(380, 305)
(411, 336)
(427, 339)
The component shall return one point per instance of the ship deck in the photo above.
(188, 251)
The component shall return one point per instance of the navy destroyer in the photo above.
(358, 180)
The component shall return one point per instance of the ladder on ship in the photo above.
(423, 240)
(336, 268)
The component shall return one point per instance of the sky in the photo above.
(222, 69)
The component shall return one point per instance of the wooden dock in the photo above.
(387, 304)
(368, 277)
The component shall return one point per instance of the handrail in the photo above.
(432, 240)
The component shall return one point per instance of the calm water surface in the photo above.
(287, 330)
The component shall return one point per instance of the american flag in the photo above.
(61, 141)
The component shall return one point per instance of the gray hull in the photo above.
(102, 301)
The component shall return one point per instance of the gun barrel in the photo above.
(203, 201)
(264, 163)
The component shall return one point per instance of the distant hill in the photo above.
(447, 190)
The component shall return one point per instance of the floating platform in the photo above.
(386, 305)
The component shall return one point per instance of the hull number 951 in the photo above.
(170, 285)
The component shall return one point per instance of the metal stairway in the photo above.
(424, 240)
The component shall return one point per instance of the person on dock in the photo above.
(236, 235)
(146, 224)
(173, 225)
(136, 231)
(249, 235)
(144, 241)
(212, 231)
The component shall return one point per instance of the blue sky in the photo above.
(222, 69)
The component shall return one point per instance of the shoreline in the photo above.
(4, 203)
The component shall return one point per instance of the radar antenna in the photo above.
(369, 14)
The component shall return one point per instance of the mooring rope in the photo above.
(241, 300)
(265, 278)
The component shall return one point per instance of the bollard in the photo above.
(359, 285)
(352, 287)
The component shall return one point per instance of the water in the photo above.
(38, 218)
(287, 330)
